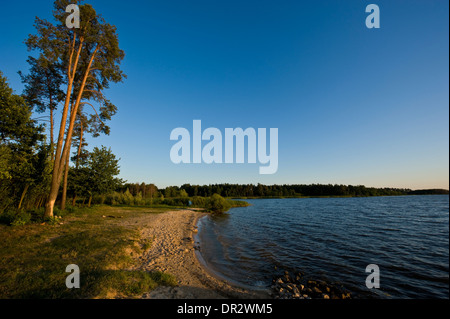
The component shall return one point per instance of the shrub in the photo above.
(22, 218)
(127, 198)
(217, 204)
(7, 217)
(178, 201)
(110, 198)
(37, 214)
(15, 217)
(52, 220)
(138, 199)
(154, 201)
(56, 211)
(98, 199)
(198, 201)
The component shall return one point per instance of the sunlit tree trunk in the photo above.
(60, 154)
(64, 193)
(51, 135)
(23, 195)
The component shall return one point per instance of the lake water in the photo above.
(335, 239)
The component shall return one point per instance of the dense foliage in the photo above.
(24, 156)
(297, 190)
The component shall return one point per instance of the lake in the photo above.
(334, 239)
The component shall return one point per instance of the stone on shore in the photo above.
(296, 286)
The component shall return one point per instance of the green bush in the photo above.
(15, 217)
(127, 198)
(22, 218)
(154, 201)
(7, 217)
(98, 199)
(178, 201)
(198, 201)
(138, 199)
(217, 204)
(52, 220)
(57, 211)
(111, 199)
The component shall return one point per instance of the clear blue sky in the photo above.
(352, 105)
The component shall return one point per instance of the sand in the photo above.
(173, 251)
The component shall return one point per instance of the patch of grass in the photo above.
(238, 203)
(163, 207)
(134, 283)
(34, 256)
(146, 245)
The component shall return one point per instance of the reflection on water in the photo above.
(335, 239)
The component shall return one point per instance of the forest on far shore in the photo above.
(260, 190)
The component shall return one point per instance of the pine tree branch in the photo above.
(94, 111)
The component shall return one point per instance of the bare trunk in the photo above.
(50, 204)
(74, 110)
(51, 135)
(74, 199)
(40, 202)
(90, 200)
(64, 193)
(59, 160)
(60, 154)
(80, 145)
(23, 195)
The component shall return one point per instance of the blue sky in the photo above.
(352, 105)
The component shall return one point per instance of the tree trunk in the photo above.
(80, 145)
(51, 134)
(62, 151)
(41, 200)
(90, 200)
(64, 193)
(59, 161)
(77, 163)
(23, 195)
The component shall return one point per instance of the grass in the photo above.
(238, 203)
(34, 256)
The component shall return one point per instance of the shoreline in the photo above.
(215, 273)
(173, 250)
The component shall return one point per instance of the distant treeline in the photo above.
(434, 191)
(260, 190)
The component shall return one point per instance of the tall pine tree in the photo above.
(90, 58)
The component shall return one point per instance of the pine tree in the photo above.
(90, 58)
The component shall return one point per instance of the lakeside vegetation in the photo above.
(101, 240)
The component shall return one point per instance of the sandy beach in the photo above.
(173, 251)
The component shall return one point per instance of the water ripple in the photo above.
(407, 236)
